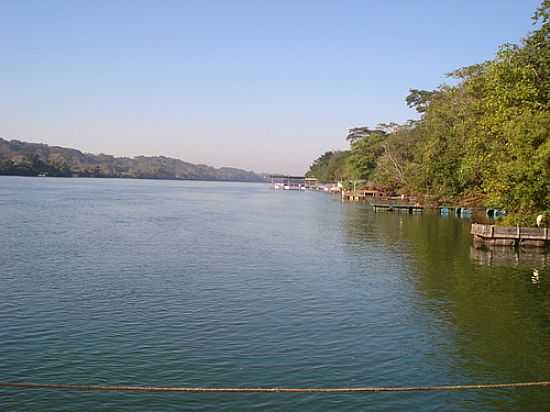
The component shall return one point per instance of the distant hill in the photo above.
(33, 159)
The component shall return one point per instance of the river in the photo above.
(178, 283)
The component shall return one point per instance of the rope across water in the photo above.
(123, 388)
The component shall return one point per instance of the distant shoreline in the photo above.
(135, 178)
(18, 158)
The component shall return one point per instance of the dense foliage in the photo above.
(31, 159)
(330, 167)
(484, 139)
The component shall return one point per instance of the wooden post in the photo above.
(492, 231)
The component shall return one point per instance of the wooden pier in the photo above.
(361, 195)
(398, 207)
(511, 236)
(379, 201)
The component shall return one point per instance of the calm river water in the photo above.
(226, 284)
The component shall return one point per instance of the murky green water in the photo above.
(227, 284)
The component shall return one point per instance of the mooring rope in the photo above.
(122, 388)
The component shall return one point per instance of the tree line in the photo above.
(484, 139)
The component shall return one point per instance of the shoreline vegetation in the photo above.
(483, 140)
(19, 158)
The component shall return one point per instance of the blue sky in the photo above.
(263, 85)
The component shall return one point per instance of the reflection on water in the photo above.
(535, 277)
(495, 303)
(509, 256)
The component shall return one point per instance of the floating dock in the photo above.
(459, 211)
(510, 236)
(398, 207)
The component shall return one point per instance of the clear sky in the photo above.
(262, 85)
